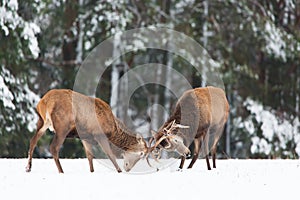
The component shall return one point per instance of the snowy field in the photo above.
(233, 179)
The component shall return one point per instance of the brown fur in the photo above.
(204, 110)
(72, 114)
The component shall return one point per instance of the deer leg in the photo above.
(206, 151)
(40, 131)
(213, 154)
(89, 154)
(207, 162)
(214, 160)
(104, 143)
(182, 162)
(197, 142)
(215, 144)
(54, 149)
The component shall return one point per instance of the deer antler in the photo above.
(169, 128)
(181, 126)
(151, 149)
(168, 133)
(155, 158)
(172, 126)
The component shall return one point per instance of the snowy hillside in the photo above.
(233, 179)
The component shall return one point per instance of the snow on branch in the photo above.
(14, 95)
(271, 135)
(11, 21)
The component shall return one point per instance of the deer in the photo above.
(204, 113)
(71, 114)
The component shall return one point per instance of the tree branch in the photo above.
(55, 64)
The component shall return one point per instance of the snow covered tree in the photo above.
(18, 39)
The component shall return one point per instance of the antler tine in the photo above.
(170, 124)
(182, 126)
(157, 169)
(158, 142)
(174, 126)
(170, 127)
(147, 159)
(150, 149)
(150, 141)
(173, 122)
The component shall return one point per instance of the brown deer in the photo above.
(71, 114)
(205, 112)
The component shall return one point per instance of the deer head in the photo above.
(132, 157)
(168, 138)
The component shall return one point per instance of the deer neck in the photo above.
(125, 138)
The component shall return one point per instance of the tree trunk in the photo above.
(297, 92)
(156, 118)
(69, 44)
(205, 38)
(114, 99)
(228, 126)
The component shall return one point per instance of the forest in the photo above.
(252, 45)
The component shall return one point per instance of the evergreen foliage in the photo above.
(255, 43)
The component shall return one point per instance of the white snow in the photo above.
(260, 145)
(13, 4)
(274, 41)
(29, 33)
(233, 179)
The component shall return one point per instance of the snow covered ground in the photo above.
(233, 179)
